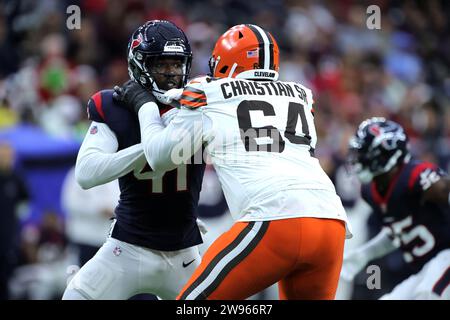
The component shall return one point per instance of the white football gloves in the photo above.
(172, 96)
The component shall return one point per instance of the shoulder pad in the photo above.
(95, 107)
(423, 175)
(99, 105)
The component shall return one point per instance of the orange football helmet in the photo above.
(245, 51)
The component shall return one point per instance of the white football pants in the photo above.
(120, 270)
(432, 282)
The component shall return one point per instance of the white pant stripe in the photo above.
(225, 260)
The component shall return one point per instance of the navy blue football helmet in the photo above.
(377, 147)
(149, 46)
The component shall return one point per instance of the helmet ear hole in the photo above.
(223, 69)
(240, 35)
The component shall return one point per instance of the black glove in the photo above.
(132, 95)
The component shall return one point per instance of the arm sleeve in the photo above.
(98, 160)
(94, 108)
(378, 246)
(166, 148)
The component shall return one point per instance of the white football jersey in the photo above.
(260, 137)
(261, 141)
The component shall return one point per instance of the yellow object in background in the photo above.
(8, 117)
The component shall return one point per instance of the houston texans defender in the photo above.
(152, 246)
(260, 135)
(411, 198)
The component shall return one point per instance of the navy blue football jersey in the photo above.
(159, 213)
(420, 229)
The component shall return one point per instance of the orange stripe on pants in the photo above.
(304, 255)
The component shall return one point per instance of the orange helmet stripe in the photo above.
(243, 49)
(265, 47)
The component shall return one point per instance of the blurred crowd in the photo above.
(400, 71)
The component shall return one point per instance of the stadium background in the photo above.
(48, 72)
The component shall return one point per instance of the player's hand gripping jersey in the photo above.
(260, 136)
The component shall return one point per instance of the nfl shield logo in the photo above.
(94, 130)
(117, 251)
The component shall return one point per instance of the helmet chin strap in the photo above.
(392, 161)
(230, 75)
(158, 93)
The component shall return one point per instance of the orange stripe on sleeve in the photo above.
(193, 95)
(193, 104)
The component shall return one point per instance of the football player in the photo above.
(411, 199)
(289, 225)
(152, 246)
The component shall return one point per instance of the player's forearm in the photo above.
(166, 148)
(95, 167)
(378, 246)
